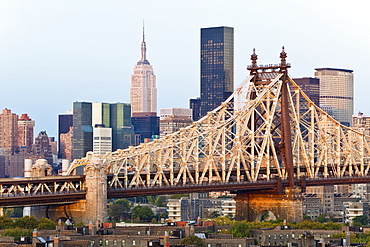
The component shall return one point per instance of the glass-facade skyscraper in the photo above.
(120, 122)
(216, 66)
(82, 140)
(65, 122)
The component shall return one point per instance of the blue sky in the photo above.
(55, 52)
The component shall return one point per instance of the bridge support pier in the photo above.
(93, 209)
(288, 205)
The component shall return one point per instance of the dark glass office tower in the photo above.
(311, 87)
(216, 66)
(120, 121)
(65, 121)
(82, 141)
(195, 106)
(146, 126)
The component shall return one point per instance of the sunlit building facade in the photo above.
(143, 91)
(102, 140)
(337, 90)
(25, 132)
(8, 131)
(65, 124)
(173, 119)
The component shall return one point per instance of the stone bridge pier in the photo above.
(287, 205)
(93, 209)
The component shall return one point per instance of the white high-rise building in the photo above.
(143, 92)
(336, 91)
(102, 140)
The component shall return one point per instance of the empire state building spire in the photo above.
(143, 91)
(143, 59)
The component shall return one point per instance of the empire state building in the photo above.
(143, 92)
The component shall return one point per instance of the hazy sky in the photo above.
(55, 52)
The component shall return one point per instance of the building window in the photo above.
(106, 242)
(114, 242)
(101, 242)
(123, 243)
(133, 242)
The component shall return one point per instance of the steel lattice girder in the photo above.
(241, 141)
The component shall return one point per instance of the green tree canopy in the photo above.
(26, 222)
(17, 233)
(240, 230)
(322, 218)
(193, 240)
(6, 223)
(178, 196)
(45, 223)
(362, 219)
(144, 213)
(215, 214)
(117, 208)
(160, 201)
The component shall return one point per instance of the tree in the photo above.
(362, 219)
(160, 201)
(17, 233)
(306, 217)
(178, 196)
(144, 213)
(223, 221)
(193, 240)
(240, 230)
(322, 218)
(45, 223)
(117, 208)
(215, 214)
(26, 222)
(6, 223)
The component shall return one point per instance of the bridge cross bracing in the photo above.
(243, 140)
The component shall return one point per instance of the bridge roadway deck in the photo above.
(15, 199)
(263, 185)
(41, 191)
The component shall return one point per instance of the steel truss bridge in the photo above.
(267, 134)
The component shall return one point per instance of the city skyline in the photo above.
(61, 52)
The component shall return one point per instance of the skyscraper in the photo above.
(194, 105)
(42, 147)
(146, 126)
(8, 131)
(216, 66)
(117, 117)
(102, 139)
(143, 92)
(65, 122)
(336, 91)
(311, 87)
(82, 140)
(173, 119)
(122, 130)
(25, 132)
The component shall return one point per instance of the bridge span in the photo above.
(267, 138)
(56, 190)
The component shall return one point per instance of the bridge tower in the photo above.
(284, 204)
(92, 209)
